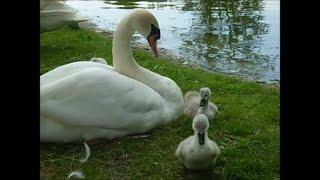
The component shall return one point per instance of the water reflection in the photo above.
(233, 37)
(226, 35)
(123, 4)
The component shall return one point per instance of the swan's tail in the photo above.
(87, 149)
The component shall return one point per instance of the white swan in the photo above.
(198, 152)
(87, 100)
(198, 103)
(55, 14)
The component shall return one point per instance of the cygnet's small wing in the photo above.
(181, 148)
(212, 110)
(215, 150)
(190, 95)
(192, 101)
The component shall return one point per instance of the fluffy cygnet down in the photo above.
(198, 152)
(199, 103)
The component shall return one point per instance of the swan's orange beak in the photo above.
(153, 44)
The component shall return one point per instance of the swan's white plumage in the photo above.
(89, 100)
(100, 94)
(98, 60)
(55, 14)
(64, 71)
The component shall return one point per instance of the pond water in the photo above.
(237, 37)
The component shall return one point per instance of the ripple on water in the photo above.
(207, 34)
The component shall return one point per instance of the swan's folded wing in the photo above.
(68, 69)
(101, 98)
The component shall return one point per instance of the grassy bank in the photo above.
(247, 128)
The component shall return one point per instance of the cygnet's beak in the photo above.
(153, 44)
(203, 102)
(201, 138)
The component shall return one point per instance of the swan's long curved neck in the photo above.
(124, 63)
(123, 60)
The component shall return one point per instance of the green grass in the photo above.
(247, 128)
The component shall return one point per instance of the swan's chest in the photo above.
(199, 153)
